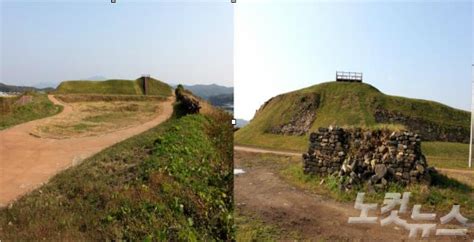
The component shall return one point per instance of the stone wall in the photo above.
(429, 130)
(376, 157)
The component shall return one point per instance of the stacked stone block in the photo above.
(375, 157)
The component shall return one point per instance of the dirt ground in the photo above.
(261, 194)
(27, 161)
(97, 118)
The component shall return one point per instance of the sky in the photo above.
(413, 49)
(185, 42)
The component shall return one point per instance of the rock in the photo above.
(420, 169)
(323, 130)
(406, 175)
(345, 168)
(313, 137)
(372, 163)
(383, 149)
(386, 157)
(380, 170)
(353, 165)
(393, 143)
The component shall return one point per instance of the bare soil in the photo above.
(261, 193)
(27, 161)
(97, 118)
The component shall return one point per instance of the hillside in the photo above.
(114, 86)
(30, 106)
(286, 120)
(170, 183)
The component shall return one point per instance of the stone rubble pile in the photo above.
(376, 157)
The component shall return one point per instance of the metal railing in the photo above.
(348, 76)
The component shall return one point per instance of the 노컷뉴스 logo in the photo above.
(394, 199)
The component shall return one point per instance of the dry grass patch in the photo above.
(95, 118)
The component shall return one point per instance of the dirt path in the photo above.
(260, 192)
(27, 162)
(260, 150)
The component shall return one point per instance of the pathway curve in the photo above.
(26, 161)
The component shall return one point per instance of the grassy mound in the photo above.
(173, 182)
(72, 98)
(155, 87)
(122, 87)
(13, 111)
(343, 104)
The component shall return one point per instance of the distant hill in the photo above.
(219, 96)
(46, 84)
(13, 88)
(206, 91)
(241, 123)
(288, 118)
(115, 86)
(222, 99)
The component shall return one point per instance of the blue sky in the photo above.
(413, 49)
(185, 42)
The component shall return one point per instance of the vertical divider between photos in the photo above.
(470, 140)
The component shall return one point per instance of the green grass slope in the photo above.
(121, 87)
(343, 104)
(171, 183)
(13, 113)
